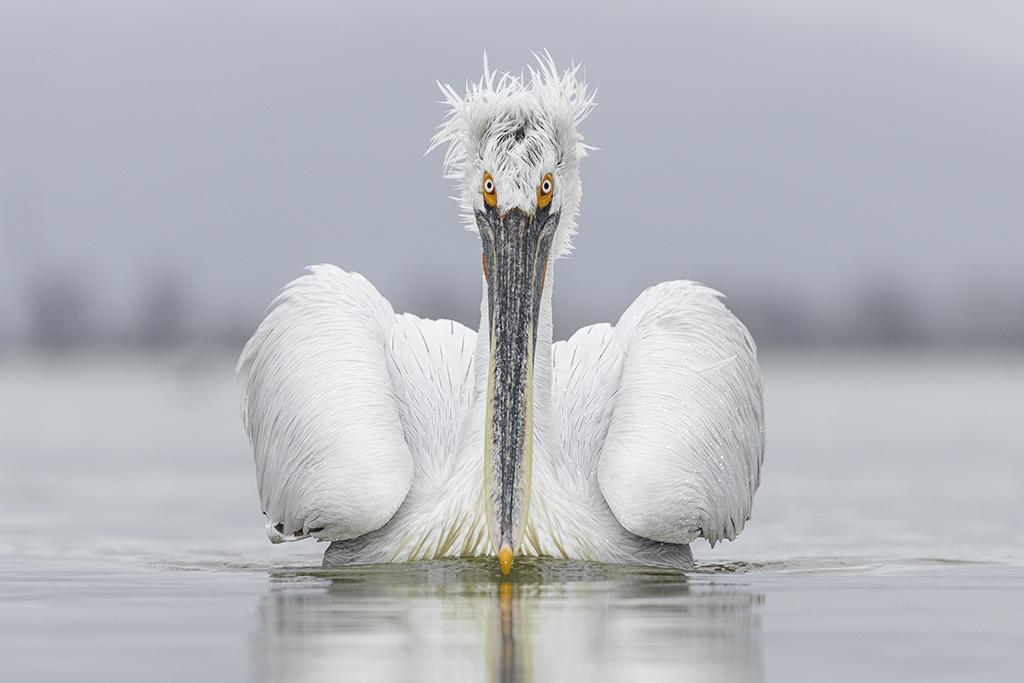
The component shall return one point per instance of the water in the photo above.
(887, 544)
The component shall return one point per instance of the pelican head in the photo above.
(514, 150)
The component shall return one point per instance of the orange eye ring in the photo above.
(545, 191)
(490, 190)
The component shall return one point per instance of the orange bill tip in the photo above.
(505, 559)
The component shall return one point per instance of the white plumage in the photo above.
(369, 427)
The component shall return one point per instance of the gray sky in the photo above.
(772, 149)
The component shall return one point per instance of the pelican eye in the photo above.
(490, 191)
(545, 190)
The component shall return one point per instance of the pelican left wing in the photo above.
(321, 412)
(682, 458)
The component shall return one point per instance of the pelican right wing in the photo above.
(321, 411)
(683, 454)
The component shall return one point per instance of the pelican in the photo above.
(399, 438)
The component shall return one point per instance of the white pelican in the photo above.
(400, 438)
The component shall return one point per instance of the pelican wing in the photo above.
(322, 409)
(682, 457)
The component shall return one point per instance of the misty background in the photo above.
(848, 173)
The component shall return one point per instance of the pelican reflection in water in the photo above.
(550, 620)
(404, 439)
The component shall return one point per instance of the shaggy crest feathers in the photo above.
(518, 128)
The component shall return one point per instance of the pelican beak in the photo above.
(516, 247)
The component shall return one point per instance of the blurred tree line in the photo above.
(65, 314)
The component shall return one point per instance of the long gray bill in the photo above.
(516, 247)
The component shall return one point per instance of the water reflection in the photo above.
(551, 620)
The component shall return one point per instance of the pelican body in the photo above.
(399, 438)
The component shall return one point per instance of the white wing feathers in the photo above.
(431, 367)
(321, 412)
(587, 369)
(345, 402)
(682, 457)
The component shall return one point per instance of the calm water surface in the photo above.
(887, 544)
